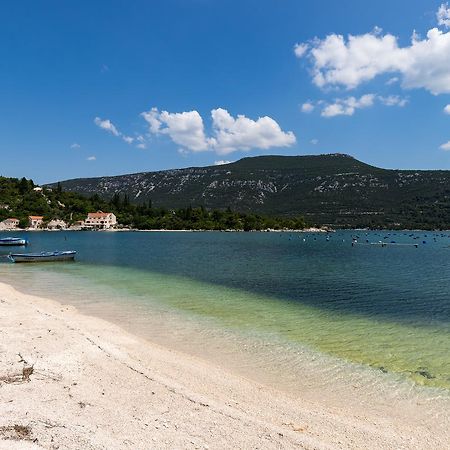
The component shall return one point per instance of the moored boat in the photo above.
(42, 257)
(13, 241)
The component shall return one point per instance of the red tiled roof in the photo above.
(36, 217)
(98, 215)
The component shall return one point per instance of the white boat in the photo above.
(13, 241)
(42, 257)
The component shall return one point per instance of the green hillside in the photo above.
(335, 190)
(21, 198)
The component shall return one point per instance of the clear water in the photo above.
(266, 302)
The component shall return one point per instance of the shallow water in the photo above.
(265, 302)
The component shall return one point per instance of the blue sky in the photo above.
(93, 88)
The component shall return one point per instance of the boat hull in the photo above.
(12, 242)
(42, 257)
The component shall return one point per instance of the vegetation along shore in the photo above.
(21, 199)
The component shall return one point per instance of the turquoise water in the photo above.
(387, 308)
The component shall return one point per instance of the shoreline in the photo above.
(95, 385)
(135, 230)
(270, 230)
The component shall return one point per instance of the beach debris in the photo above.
(422, 371)
(18, 377)
(49, 424)
(27, 370)
(10, 379)
(15, 432)
(297, 428)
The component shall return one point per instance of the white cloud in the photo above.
(106, 125)
(445, 146)
(337, 109)
(141, 142)
(228, 133)
(242, 133)
(151, 117)
(347, 106)
(185, 128)
(314, 141)
(75, 145)
(393, 100)
(307, 107)
(447, 109)
(128, 139)
(222, 162)
(91, 158)
(300, 49)
(337, 61)
(443, 15)
(392, 80)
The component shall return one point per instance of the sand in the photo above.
(95, 386)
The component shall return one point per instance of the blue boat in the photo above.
(13, 241)
(42, 257)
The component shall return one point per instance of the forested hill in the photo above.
(21, 198)
(332, 189)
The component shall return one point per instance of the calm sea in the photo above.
(272, 305)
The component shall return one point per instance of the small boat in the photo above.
(42, 257)
(13, 241)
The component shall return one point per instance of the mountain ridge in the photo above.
(332, 189)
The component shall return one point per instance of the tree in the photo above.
(23, 186)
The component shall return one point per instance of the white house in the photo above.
(100, 220)
(35, 222)
(10, 223)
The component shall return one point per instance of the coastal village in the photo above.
(94, 221)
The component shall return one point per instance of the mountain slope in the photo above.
(330, 189)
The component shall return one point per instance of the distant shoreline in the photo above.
(162, 230)
(122, 230)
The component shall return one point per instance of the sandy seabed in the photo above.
(70, 381)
